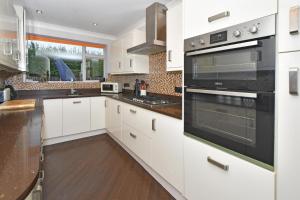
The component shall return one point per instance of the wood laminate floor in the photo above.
(97, 168)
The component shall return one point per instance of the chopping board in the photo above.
(18, 104)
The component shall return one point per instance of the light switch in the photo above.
(294, 19)
(293, 80)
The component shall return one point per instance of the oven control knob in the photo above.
(201, 41)
(237, 33)
(192, 44)
(253, 29)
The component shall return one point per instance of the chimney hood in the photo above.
(155, 31)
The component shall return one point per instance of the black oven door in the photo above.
(242, 66)
(242, 122)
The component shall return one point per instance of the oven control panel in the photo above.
(251, 30)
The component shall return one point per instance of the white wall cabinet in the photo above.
(287, 41)
(98, 112)
(124, 63)
(76, 115)
(53, 118)
(12, 37)
(288, 164)
(243, 180)
(196, 14)
(175, 52)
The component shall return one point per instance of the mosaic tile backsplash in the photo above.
(160, 81)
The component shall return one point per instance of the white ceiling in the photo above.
(112, 16)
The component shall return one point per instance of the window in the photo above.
(58, 61)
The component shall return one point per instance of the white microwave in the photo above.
(110, 87)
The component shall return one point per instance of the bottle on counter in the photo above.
(137, 90)
(143, 88)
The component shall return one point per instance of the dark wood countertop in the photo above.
(20, 141)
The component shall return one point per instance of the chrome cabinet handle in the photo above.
(8, 49)
(42, 176)
(153, 124)
(76, 102)
(119, 64)
(219, 16)
(132, 111)
(170, 55)
(132, 135)
(42, 157)
(105, 103)
(118, 109)
(294, 20)
(221, 92)
(37, 193)
(130, 62)
(217, 164)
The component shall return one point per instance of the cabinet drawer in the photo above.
(204, 175)
(138, 118)
(137, 142)
(76, 115)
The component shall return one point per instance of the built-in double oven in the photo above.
(229, 78)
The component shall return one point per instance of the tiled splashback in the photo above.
(159, 80)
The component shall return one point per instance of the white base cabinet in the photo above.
(205, 181)
(97, 113)
(53, 118)
(288, 163)
(196, 14)
(115, 110)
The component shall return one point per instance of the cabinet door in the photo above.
(108, 111)
(116, 119)
(53, 118)
(242, 180)
(287, 41)
(175, 37)
(76, 115)
(97, 113)
(116, 56)
(288, 176)
(167, 149)
(196, 14)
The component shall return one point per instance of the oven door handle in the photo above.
(225, 93)
(223, 48)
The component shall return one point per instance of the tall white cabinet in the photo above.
(197, 13)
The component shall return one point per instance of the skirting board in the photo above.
(73, 137)
(173, 191)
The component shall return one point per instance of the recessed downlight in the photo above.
(39, 12)
(95, 24)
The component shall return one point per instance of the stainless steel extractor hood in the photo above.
(155, 31)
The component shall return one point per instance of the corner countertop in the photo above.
(170, 110)
(20, 141)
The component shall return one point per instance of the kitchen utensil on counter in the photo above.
(137, 89)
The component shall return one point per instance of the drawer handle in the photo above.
(42, 176)
(132, 135)
(105, 103)
(219, 16)
(170, 55)
(217, 164)
(130, 62)
(76, 102)
(118, 109)
(132, 111)
(42, 157)
(153, 124)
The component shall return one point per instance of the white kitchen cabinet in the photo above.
(116, 56)
(53, 118)
(76, 115)
(175, 42)
(12, 36)
(116, 119)
(167, 148)
(138, 142)
(124, 63)
(97, 113)
(243, 180)
(288, 41)
(196, 14)
(108, 111)
(288, 163)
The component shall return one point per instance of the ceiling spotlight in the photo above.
(39, 12)
(95, 24)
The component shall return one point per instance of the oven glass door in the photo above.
(107, 87)
(245, 68)
(242, 122)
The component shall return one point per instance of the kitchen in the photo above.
(166, 99)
